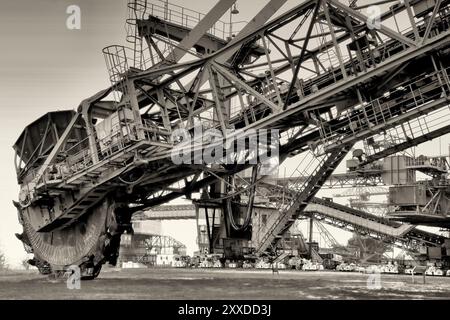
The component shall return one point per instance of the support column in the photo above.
(310, 240)
(164, 112)
(91, 135)
(134, 104)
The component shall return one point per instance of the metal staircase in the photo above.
(304, 190)
(281, 257)
(315, 256)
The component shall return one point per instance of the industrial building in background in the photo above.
(306, 86)
(147, 246)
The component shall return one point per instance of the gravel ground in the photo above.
(222, 284)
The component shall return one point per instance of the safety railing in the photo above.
(120, 137)
(155, 133)
(246, 105)
(371, 57)
(407, 96)
(422, 161)
(183, 17)
(418, 127)
(63, 170)
(119, 59)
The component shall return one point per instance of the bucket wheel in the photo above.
(88, 243)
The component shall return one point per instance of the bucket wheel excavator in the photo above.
(330, 78)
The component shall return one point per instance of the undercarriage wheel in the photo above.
(91, 273)
(42, 266)
(85, 243)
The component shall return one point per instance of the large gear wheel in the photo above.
(87, 243)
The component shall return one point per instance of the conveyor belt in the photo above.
(391, 231)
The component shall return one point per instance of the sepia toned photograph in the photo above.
(242, 151)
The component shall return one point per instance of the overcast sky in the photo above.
(45, 67)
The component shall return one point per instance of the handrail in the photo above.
(184, 17)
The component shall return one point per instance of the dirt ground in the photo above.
(222, 284)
